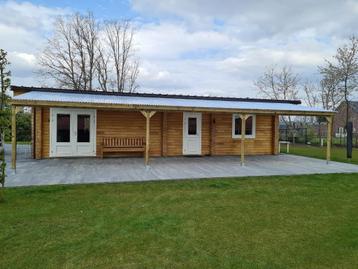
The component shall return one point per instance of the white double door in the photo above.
(72, 132)
(191, 133)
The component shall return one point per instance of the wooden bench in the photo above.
(122, 144)
(287, 146)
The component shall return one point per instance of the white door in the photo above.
(191, 133)
(72, 132)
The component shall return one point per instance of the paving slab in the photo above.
(93, 170)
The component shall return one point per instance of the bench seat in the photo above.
(122, 144)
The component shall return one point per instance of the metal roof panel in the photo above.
(42, 96)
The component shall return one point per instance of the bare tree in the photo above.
(102, 69)
(342, 73)
(133, 75)
(279, 85)
(311, 91)
(119, 36)
(311, 98)
(82, 52)
(330, 94)
(69, 57)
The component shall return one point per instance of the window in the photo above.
(83, 128)
(63, 128)
(250, 127)
(192, 126)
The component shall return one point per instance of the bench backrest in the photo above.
(124, 142)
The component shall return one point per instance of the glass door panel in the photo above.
(83, 128)
(192, 125)
(63, 132)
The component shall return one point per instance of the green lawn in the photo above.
(338, 153)
(263, 222)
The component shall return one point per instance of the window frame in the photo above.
(235, 136)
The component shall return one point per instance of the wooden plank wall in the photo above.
(42, 132)
(33, 134)
(38, 133)
(46, 132)
(164, 132)
(175, 133)
(128, 124)
(226, 145)
(132, 123)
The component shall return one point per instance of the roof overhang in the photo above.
(100, 101)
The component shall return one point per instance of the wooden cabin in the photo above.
(69, 123)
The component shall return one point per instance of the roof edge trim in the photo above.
(154, 95)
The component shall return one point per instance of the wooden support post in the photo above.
(276, 135)
(147, 115)
(38, 133)
(13, 137)
(33, 134)
(329, 137)
(212, 134)
(164, 134)
(243, 118)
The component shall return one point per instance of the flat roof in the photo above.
(96, 99)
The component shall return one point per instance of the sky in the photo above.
(201, 47)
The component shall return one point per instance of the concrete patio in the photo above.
(92, 170)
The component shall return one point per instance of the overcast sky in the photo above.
(215, 47)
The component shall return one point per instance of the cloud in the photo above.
(23, 30)
(223, 46)
(219, 62)
(172, 41)
(28, 16)
(268, 17)
(201, 47)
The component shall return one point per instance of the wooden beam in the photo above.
(147, 115)
(33, 132)
(38, 133)
(212, 134)
(147, 139)
(243, 118)
(13, 137)
(329, 138)
(164, 133)
(276, 135)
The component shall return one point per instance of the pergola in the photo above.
(149, 106)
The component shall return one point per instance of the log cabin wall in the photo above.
(112, 123)
(226, 145)
(41, 139)
(46, 132)
(132, 124)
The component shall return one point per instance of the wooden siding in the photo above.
(33, 128)
(128, 124)
(46, 132)
(41, 132)
(38, 132)
(216, 132)
(226, 145)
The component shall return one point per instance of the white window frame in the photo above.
(252, 136)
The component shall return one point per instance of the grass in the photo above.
(259, 222)
(338, 153)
